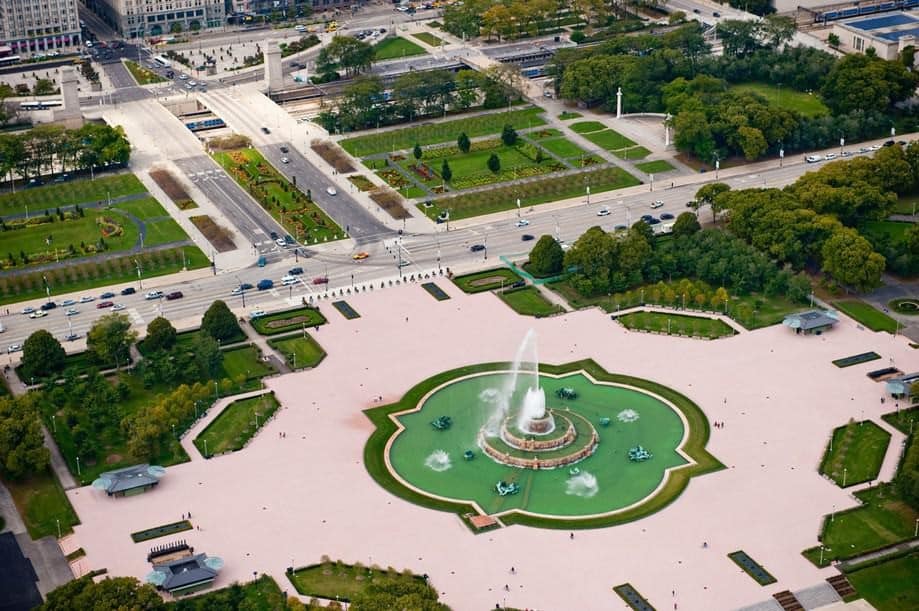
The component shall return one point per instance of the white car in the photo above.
(66, 302)
(288, 280)
(14, 348)
(830, 156)
(522, 223)
(285, 160)
(256, 314)
(86, 299)
(192, 83)
(72, 312)
(38, 314)
(331, 191)
(280, 242)
(153, 295)
(28, 310)
(874, 147)
(117, 307)
(603, 212)
(813, 158)
(183, 77)
(657, 204)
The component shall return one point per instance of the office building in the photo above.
(37, 27)
(143, 18)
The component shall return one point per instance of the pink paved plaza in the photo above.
(288, 501)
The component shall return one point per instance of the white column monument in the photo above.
(273, 74)
(70, 110)
(619, 103)
(667, 129)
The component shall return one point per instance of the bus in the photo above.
(40, 105)
(161, 61)
(9, 60)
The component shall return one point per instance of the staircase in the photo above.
(842, 586)
(788, 601)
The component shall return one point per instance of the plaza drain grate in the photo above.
(752, 568)
(345, 310)
(435, 291)
(631, 596)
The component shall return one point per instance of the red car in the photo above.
(174, 295)
(320, 280)
(104, 304)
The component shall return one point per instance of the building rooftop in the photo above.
(887, 21)
(184, 572)
(812, 319)
(129, 478)
(888, 28)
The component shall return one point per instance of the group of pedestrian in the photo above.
(282, 435)
(718, 425)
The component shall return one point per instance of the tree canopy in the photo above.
(547, 257)
(22, 449)
(110, 594)
(42, 355)
(109, 340)
(161, 335)
(219, 322)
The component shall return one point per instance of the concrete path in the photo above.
(10, 513)
(48, 560)
(57, 461)
(553, 297)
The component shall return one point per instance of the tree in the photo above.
(849, 258)
(860, 81)
(508, 136)
(417, 152)
(350, 54)
(445, 172)
(161, 335)
(108, 594)
(686, 224)
(207, 356)
(833, 40)
(42, 355)
(22, 449)
(908, 56)
(547, 257)
(752, 142)
(494, 163)
(387, 594)
(463, 143)
(219, 322)
(109, 340)
(708, 194)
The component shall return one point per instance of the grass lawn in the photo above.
(298, 350)
(867, 315)
(539, 191)
(894, 230)
(655, 167)
(146, 208)
(883, 520)
(164, 232)
(584, 127)
(288, 320)
(562, 147)
(142, 75)
(32, 240)
(41, 502)
(857, 452)
(890, 585)
(782, 97)
(263, 594)
(336, 579)
(68, 193)
(187, 339)
(567, 115)
(299, 217)
(634, 152)
(245, 360)
(428, 38)
(487, 280)
(676, 324)
(444, 131)
(904, 420)
(609, 139)
(543, 134)
(907, 204)
(236, 424)
(529, 301)
(84, 276)
(471, 169)
(396, 47)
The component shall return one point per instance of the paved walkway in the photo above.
(57, 461)
(894, 550)
(10, 513)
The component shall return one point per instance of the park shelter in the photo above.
(899, 386)
(130, 480)
(812, 321)
(186, 574)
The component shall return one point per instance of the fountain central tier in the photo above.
(569, 438)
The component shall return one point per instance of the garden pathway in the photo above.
(84, 205)
(262, 343)
(57, 461)
(894, 550)
(10, 512)
(553, 297)
(738, 328)
(98, 258)
(891, 460)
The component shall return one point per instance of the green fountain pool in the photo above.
(432, 461)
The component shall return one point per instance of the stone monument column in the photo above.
(619, 103)
(70, 110)
(273, 75)
(667, 129)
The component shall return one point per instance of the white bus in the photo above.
(161, 61)
(40, 105)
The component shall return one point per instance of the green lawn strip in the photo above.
(657, 166)
(236, 424)
(895, 231)
(890, 585)
(288, 320)
(299, 350)
(562, 147)
(336, 580)
(471, 169)
(143, 209)
(79, 276)
(79, 236)
(445, 131)
(286, 204)
(807, 104)
(79, 362)
(435, 291)
(161, 531)
(538, 191)
(187, 339)
(609, 139)
(263, 594)
(42, 504)
(428, 38)
(142, 75)
(905, 420)
(544, 134)
(586, 127)
(676, 324)
(165, 231)
(632, 153)
(883, 520)
(81, 191)
(245, 360)
(568, 115)
(528, 301)
(396, 47)
(345, 310)
(857, 359)
(867, 315)
(487, 280)
(752, 568)
(907, 204)
(698, 427)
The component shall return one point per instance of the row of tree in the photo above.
(519, 18)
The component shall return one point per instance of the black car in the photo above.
(295, 271)
(666, 216)
(128, 290)
(526, 237)
(653, 221)
(477, 247)
(106, 295)
(174, 295)
(265, 130)
(289, 239)
(48, 305)
(274, 235)
(646, 218)
(889, 143)
(284, 149)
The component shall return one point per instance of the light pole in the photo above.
(781, 156)
(588, 197)
(205, 447)
(78, 467)
(242, 291)
(58, 527)
(845, 473)
(140, 282)
(821, 556)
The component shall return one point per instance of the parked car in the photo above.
(830, 156)
(14, 348)
(477, 247)
(527, 237)
(256, 314)
(153, 295)
(174, 295)
(264, 285)
(104, 304)
(295, 271)
(245, 286)
(128, 290)
(666, 216)
(28, 310)
(106, 295)
(620, 228)
(813, 158)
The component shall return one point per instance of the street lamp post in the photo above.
(205, 447)
(78, 467)
(140, 281)
(845, 473)
(588, 197)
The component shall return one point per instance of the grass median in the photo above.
(236, 425)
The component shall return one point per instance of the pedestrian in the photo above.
(513, 571)
(705, 545)
(507, 588)
(189, 515)
(572, 535)
(183, 516)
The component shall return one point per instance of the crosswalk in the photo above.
(135, 316)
